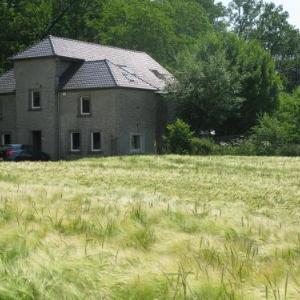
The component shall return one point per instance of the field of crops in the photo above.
(165, 227)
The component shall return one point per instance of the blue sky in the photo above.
(291, 6)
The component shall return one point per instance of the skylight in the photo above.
(127, 68)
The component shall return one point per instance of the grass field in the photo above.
(151, 228)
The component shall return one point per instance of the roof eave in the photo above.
(7, 93)
(13, 58)
(105, 88)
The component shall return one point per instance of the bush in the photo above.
(179, 138)
(203, 146)
(288, 150)
(271, 130)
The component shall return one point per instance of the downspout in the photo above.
(58, 126)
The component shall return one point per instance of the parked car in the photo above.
(19, 152)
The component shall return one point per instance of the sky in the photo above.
(291, 6)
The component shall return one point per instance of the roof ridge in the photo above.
(51, 44)
(96, 44)
(132, 74)
(107, 61)
(35, 44)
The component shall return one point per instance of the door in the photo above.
(37, 140)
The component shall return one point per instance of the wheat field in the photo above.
(151, 227)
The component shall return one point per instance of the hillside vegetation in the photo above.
(166, 227)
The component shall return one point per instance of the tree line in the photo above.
(235, 66)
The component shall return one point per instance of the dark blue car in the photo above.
(19, 152)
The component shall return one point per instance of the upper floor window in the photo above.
(1, 110)
(85, 105)
(35, 99)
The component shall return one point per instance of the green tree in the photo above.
(225, 83)
(243, 15)
(268, 24)
(208, 86)
(260, 85)
(161, 28)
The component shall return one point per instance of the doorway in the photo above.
(37, 140)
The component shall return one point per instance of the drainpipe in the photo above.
(58, 126)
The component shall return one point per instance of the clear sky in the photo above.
(291, 6)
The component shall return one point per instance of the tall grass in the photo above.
(165, 227)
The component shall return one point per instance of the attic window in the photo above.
(158, 74)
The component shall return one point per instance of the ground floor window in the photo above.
(6, 139)
(136, 143)
(96, 141)
(75, 141)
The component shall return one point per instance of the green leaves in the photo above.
(208, 87)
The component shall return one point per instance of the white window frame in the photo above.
(92, 141)
(81, 105)
(32, 99)
(71, 140)
(142, 143)
(3, 137)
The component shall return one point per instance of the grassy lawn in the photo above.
(151, 228)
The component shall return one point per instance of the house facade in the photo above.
(70, 99)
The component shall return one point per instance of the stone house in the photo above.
(70, 99)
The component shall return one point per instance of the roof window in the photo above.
(127, 68)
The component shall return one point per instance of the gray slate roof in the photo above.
(7, 82)
(141, 64)
(100, 74)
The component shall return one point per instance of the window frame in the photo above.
(32, 106)
(72, 140)
(142, 143)
(82, 98)
(1, 109)
(3, 134)
(93, 150)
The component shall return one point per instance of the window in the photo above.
(85, 106)
(136, 143)
(35, 100)
(96, 141)
(75, 141)
(6, 139)
(128, 69)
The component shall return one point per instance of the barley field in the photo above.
(147, 227)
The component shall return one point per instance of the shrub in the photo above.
(203, 146)
(271, 130)
(288, 150)
(179, 138)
